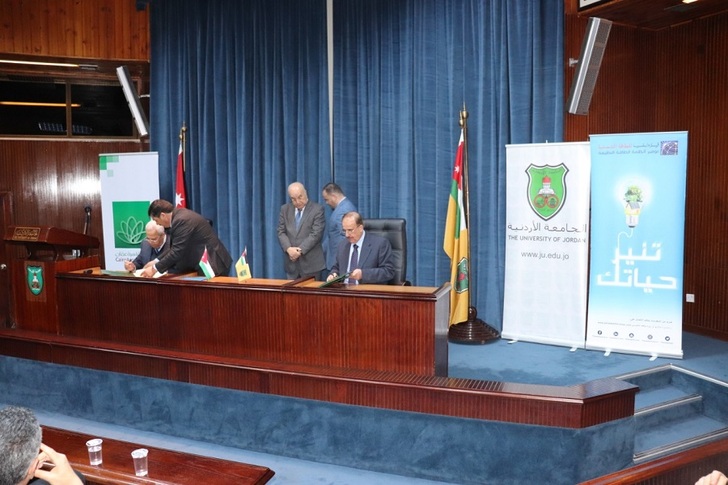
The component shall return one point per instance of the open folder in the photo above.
(338, 279)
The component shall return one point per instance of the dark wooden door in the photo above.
(6, 219)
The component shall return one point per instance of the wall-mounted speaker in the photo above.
(587, 66)
(132, 98)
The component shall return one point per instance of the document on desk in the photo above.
(138, 273)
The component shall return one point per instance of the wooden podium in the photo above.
(50, 250)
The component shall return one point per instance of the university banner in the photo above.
(638, 219)
(547, 243)
(129, 183)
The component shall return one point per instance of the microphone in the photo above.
(86, 224)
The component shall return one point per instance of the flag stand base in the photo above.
(474, 331)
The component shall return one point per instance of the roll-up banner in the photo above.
(547, 243)
(638, 220)
(129, 183)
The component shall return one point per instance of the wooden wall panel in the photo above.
(104, 29)
(673, 80)
(53, 180)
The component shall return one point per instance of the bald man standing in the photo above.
(301, 226)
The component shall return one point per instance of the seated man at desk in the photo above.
(152, 247)
(366, 257)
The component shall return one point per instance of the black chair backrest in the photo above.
(395, 231)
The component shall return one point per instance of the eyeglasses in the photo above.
(350, 231)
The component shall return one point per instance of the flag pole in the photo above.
(183, 140)
(473, 330)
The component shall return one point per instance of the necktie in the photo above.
(298, 218)
(354, 258)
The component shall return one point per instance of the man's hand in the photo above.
(61, 473)
(715, 478)
(293, 253)
(148, 271)
(129, 266)
(355, 275)
(331, 276)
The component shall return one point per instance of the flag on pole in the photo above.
(457, 243)
(205, 265)
(180, 195)
(241, 267)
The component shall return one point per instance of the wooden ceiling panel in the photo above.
(654, 14)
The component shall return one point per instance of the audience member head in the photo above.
(297, 194)
(160, 211)
(353, 226)
(332, 194)
(20, 438)
(155, 234)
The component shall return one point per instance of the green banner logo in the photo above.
(35, 279)
(130, 217)
(546, 189)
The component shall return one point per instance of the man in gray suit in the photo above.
(334, 198)
(300, 231)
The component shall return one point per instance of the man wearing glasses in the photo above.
(366, 258)
(152, 247)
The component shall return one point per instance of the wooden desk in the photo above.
(364, 327)
(165, 467)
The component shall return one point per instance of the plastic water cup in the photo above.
(140, 462)
(94, 451)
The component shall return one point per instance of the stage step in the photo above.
(676, 410)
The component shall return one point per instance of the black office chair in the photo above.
(395, 231)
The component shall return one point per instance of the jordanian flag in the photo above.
(205, 265)
(180, 194)
(457, 243)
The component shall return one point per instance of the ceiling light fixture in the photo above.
(86, 67)
(38, 105)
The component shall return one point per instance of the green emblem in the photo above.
(35, 279)
(463, 281)
(546, 189)
(130, 217)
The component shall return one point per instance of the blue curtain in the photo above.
(250, 80)
(403, 71)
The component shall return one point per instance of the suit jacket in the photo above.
(308, 237)
(375, 259)
(147, 253)
(189, 234)
(334, 232)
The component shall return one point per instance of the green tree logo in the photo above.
(130, 217)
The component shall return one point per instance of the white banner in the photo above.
(547, 243)
(129, 183)
(638, 219)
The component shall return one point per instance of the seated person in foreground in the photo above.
(22, 454)
(152, 247)
(366, 257)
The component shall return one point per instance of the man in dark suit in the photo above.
(301, 226)
(366, 257)
(152, 247)
(340, 205)
(189, 235)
